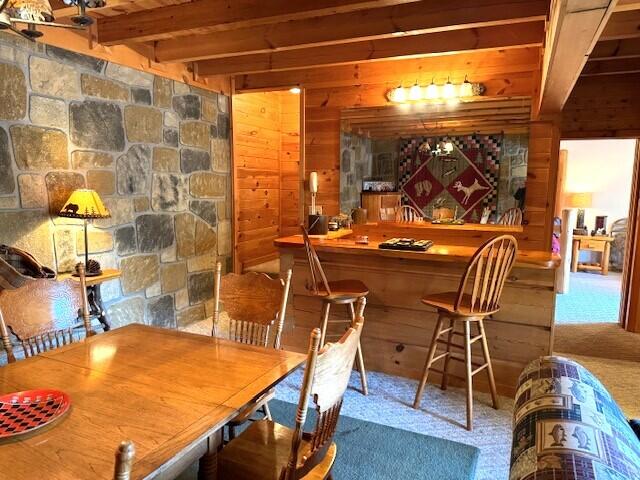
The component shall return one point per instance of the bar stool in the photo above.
(339, 292)
(477, 297)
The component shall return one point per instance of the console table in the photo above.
(601, 244)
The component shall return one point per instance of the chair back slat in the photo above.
(46, 341)
(486, 274)
(318, 276)
(42, 307)
(254, 302)
(326, 377)
(512, 216)
(408, 213)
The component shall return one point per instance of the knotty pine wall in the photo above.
(266, 134)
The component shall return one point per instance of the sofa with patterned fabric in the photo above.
(568, 427)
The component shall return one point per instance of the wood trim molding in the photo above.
(630, 304)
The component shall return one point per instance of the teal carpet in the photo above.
(592, 298)
(371, 451)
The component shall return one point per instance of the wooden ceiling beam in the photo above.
(201, 16)
(616, 49)
(478, 66)
(611, 67)
(622, 25)
(431, 44)
(421, 17)
(627, 5)
(574, 27)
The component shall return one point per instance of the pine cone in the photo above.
(93, 268)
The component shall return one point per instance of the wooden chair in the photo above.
(477, 297)
(43, 314)
(270, 451)
(388, 214)
(408, 213)
(125, 455)
(339, 292)
(255, 303)
(513, 216)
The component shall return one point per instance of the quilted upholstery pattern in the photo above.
(567, 426)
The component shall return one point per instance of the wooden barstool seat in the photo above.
(345, 290)
(338, 292)
(477, 297)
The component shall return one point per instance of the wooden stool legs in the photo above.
(326, 308)
(471, 368)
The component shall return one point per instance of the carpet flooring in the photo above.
(372, 451)
(605, 340)
(592, 298)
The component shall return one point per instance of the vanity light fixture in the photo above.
(449, 93)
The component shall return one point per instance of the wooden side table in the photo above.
(96, 308)
(590, 243)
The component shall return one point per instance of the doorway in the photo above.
(595, 193)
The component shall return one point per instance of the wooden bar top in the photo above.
(438, 252)
(427, 225)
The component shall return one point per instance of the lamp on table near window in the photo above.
(581, 201)
(87, 205)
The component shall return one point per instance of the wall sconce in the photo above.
(450, 93)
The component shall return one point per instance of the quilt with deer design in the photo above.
(464, 180)
(567, 426)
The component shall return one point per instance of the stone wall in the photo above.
(355, 166)
(513, 171)
(157, 151)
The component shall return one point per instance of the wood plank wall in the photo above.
(266, 134)
(290, 178)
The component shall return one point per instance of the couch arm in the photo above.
(567, 426)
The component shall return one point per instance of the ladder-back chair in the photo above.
(477, 297)
(125, 455)
(409, 213)
(43, 314)
(513, 216)
(270, 451)
(256, 306)
(338, 292)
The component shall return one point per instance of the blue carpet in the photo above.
(371, 451)
(592, 298)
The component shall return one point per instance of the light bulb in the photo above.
(415, 92)
(295, 90)
(448, 147)
(449, 90)
(433, 91)
(466, 89)
(399, 95)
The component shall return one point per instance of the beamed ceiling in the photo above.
(371, 44)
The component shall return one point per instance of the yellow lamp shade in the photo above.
(84, 203)
(580, 200)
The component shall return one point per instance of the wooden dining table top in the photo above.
(160, 388)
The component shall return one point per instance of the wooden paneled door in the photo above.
(266, 173)
(630, 304)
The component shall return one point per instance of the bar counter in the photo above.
(398, 327)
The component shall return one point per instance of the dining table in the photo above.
(169, 392)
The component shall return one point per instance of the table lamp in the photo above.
(87, 205)
(580, 200)
(318, 223)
